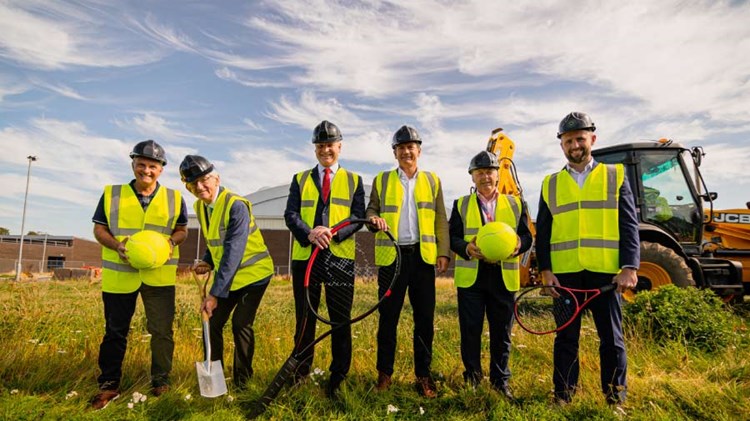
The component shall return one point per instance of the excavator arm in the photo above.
(503, 147)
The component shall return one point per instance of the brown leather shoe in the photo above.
(160, 390)
(103, 398)
(384, 382)
(426, 387)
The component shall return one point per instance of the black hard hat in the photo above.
(405, 134)
(483, 159)
(326, 132)
(194, 167)
(575, 121)
(151, 150)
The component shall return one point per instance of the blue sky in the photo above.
(244, 83)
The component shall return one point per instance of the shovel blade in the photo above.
(211, 378)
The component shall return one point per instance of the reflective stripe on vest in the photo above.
(585, 226)
(508, 210)
(125, 217)
(343, 186)
(391, 200)
(256, 262)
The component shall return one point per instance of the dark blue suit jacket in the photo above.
(456, 224)
(628, 223)
(300, 229)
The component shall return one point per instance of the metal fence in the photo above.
(37, 265)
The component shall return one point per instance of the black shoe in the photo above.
(333, 386)
(504, 390)
(562, 399)
(472, 380)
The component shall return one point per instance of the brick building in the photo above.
(43, 253)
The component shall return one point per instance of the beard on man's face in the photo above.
(578, 155)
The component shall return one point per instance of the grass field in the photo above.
(50, 334)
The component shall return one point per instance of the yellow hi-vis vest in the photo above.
(585, 228)
(125, 217)
(508, 210)
(256, 262)
(343, 186)
(391, 198)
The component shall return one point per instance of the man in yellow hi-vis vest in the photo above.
(320, 198)
(486, 288)
(587, 237)
(409, 202)
(124, 210)
(237, 254)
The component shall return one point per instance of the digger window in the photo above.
(667, 198)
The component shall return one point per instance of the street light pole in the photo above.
(43, 268)
(31, 159)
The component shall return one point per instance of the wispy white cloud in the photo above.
(253, 125)
(231, 76)
(153, 125)
(10, 86)
(60, 89)
(656, 54)
(163, 34)
(59, 35)
(309, 110)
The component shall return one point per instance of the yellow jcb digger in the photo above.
(681, 242)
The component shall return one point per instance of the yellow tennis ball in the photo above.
(147, 250)
(497, 241)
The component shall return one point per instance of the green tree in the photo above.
(4, 231)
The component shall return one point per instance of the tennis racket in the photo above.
(332, 284)
(546, 309)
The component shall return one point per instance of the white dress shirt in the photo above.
(408, 224)
(580, 177)
(322, 173)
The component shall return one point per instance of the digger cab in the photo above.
(663, 177)
(669, 195)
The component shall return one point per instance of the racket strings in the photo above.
(342, 289)
(563, 308)
(539, 311)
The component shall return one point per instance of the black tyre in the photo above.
(660, 266)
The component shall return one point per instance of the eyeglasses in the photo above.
(203, 180)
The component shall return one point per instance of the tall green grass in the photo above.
(50, 334)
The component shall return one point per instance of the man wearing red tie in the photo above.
(320, 198)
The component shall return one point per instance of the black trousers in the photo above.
(118, 313)
(606, 310)
(486, 297)
(419, 278)
(339, 304)
(242, 305)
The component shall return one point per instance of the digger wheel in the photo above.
(660, 266)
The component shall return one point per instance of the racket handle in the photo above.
(284, 374)
(608, 287)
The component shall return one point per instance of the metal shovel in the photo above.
(210, 373)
